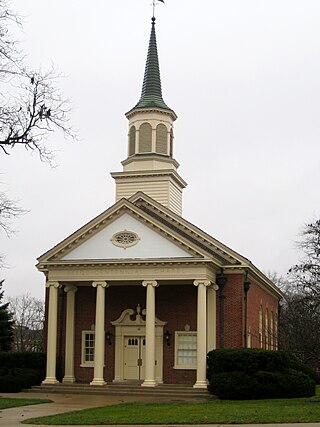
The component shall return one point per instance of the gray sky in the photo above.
(243, 78)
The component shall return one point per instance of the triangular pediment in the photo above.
(126, 238)
(104, 238)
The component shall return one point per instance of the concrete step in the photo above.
(171, 391)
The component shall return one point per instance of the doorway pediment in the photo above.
(131, 317)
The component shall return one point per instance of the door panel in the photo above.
(134, 356)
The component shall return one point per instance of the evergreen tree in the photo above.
(6, 324)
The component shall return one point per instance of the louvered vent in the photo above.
(132, 141)
(145, 138)
(161, 139)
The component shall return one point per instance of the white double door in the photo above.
(134, 358)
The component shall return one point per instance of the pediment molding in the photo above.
(186, 230)
(131, 317)
(102, 221)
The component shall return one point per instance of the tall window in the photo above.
(87, 354)
(145, 138)
(276, 332)
(260, 327)
(271, 332)
(267, 329)
(249, 338)
(132, 141)
(161, 139)
(185, 350)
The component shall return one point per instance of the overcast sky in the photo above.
(243, 77)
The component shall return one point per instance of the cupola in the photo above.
(150, 166)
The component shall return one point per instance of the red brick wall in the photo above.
(256, 297)
(176, 305)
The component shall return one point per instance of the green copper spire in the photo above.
(151, 95)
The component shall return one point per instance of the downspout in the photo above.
(246, 287)
(221, 282)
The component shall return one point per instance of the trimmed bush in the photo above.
(298, 365)
(258, 374)
(261, 385)
(249, 360)
(21, 370)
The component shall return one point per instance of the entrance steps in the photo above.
(174, 392)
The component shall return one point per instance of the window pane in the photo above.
(187, 349)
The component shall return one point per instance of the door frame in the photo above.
(131, 324)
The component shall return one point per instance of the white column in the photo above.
(99, 334)
(150, 334)
(69, 348)
(52, 333)
(212, 317)
(201, 333)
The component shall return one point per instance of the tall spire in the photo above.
(151, 95)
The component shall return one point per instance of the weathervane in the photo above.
(154, 5)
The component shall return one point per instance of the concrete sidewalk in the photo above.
(71, 402)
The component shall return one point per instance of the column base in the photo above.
(68, 380)
(149, 383)
(50, 380)
(200, 384)
(97, 381)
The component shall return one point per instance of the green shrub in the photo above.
(258, 374)
(21, 370)
(298, 365)
(249, 360)
(261, 385)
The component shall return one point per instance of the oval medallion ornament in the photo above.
(124, 239)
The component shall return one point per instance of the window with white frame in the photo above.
(271, 332)
(267, 328)
(87, 353)
(260, 327)
(185, 350)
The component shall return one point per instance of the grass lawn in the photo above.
(303, 410)
(8, 402)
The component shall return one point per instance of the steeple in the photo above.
(150, 166)
(151, 94)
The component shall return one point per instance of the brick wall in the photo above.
(176, 305)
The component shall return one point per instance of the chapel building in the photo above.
(139, 294)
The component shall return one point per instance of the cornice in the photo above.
(256, 276)
(136, 111)
(145, 174)
(139, 157)
(187, 229)
(47, 265)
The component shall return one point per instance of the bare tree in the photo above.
(31, 107)
(299, 327)
(306, 274)
(28, 317)
(9, 209)
(30, 104)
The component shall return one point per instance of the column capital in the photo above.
(214, 287)
(102, 284)
(205, 283)
(70, 288)
(152, 283)
(53, 284)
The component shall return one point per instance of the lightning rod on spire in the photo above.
(154, 4)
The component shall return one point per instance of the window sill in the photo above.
(189, 367)
(87, 365)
